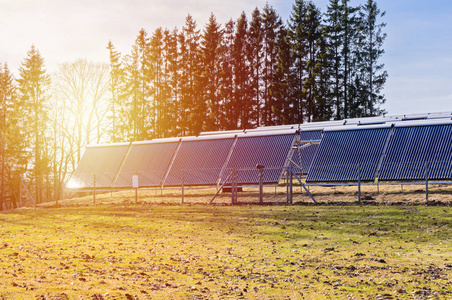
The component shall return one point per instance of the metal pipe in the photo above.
(260, 169)
(426, 181)
(359, 184)
(261, 187)
(307, 191)
(221, 187)
(183, 181)
(290, 185)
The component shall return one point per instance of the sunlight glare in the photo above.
(74, 184)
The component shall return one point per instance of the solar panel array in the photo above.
(196, 161)
(103, 161)
(344, 155)
(386, 148)
(148, 160)
(265, 150)
(412, 150)
(199, 162)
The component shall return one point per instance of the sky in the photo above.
(418, 48)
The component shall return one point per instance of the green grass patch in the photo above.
(226, 252)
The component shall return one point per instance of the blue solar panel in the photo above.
(103, 161)
(304, 157)
(201, 161)
(271, 151)
(314, 135)
(341, 152)
(150, 161)
(412, 148)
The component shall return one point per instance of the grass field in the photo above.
(123, 250)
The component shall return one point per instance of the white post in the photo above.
(135, 185)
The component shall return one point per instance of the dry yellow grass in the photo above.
(121, 250)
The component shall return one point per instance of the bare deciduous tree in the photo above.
(79, 113)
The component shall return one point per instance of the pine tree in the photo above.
(323, 92)
(8, 97)
(334, 33)
(145, 108)
(14, 147)
(166, 92)
(342, 28)
(370, 51)
(211, 47)
(350, 29)
(254, 57)
(131, 92)
(34, 85)
(242, 103)
(157, 81)
(137, 89)
(305, 36)
(116, 81)
(284, 109)
(184, 87)
(226, 79)
(5, 86)
(272, 26)
(297, 32)
(193, 109)
(313, 35)
(172, 99)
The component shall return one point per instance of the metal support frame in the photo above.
(307, 144)
(301, 183)
(260, 169)
(289, 186)
(221, 187)
(170, 165)
(304, 186)
(426, 181)
(29, 195)
(261, 185)
(293, 147)
(182, 187)
(359, 183)
(118, 171)
(234, 187)
(302, 145)
(383, 153)
(299, 159)
(401, 183)
(228, 158)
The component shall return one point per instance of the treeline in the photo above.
(249, 73)
(255, 71)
